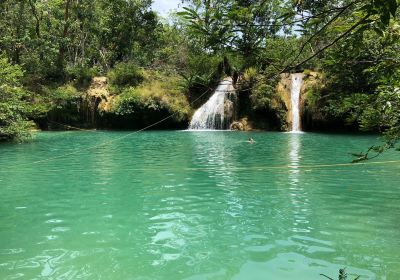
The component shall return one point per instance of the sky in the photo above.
(164, 6)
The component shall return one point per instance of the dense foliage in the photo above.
(158, 92)
(14, 102)
(55, 48)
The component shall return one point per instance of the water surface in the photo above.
(196, 205)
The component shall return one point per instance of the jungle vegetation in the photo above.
(51, 49)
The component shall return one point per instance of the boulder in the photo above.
(238, 126)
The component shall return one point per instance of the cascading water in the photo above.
(213, 114)
(297, 82)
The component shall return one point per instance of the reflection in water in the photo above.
(299, 197)
(179, 223)
(183, 205)
(294, 147)
(212, 151)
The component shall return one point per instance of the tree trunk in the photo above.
(61, 54)
(37, 18)
(19, 26)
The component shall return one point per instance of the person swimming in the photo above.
(251, 140)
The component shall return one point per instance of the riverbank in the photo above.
(162, 102)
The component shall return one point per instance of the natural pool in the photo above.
(197, 205)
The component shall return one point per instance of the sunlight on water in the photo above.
(209, 205)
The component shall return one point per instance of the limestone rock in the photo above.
(238, 126)
(98, 91)
(241, 125)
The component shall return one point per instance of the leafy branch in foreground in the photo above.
(377, 150)
(342, 275)
(391, 140)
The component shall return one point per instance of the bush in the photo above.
(65, 94)
(66, 105)
(81, 75)
(155, 94)
(262, 91)
(125, 74)
(14, 108)
(250, 77)
(307, 72)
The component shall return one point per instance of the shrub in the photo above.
(14, 108)
(65, 94)
(65, 105)
(307, 72)
(262, 91)
(155, 94)
(250, 77)
(125, 74)
(81, 75)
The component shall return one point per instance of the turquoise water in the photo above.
(197, 205)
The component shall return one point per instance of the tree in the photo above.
(14, 103)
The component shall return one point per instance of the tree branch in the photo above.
(320, 31)
(330, 44)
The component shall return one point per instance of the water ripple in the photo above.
(172, 205)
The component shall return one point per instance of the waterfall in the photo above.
(216, 113)
(297, 82)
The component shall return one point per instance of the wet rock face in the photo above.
(229, 111)
(230, 108)
(285, 90)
